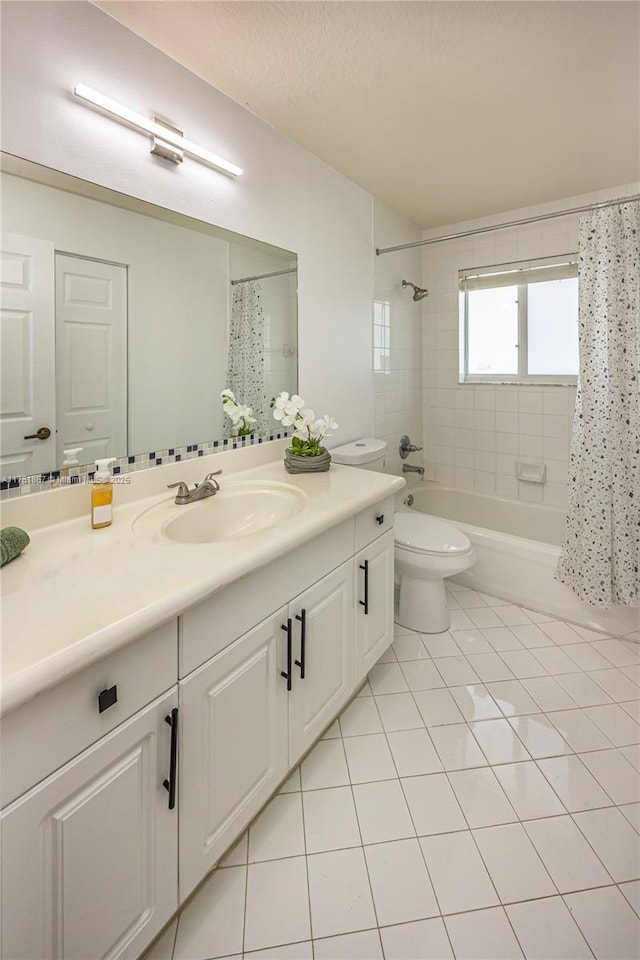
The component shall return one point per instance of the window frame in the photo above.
(520, 269)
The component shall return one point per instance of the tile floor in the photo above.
(480, 798)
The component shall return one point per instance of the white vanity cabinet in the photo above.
(374, 610)
(89, 855)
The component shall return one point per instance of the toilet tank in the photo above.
(367, 453)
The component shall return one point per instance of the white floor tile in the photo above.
(513, 864)
(615, 683)
(632, 892)
(278, 831)
(476, 702)
(369, 758)
(575, 785)
(539, 736)
(326, 766)
(484, 617)
(402, 891)
(547, 931)
(440, 645)
(469, 599)
(237, 855)
(382, 812)
(457, 747)
(536, 617)
(356, 946)
(614, 840)
(162, 949)
(560, 632)
(498, 741)
(490, 667)
(422, 674)
(365, 690)
(617, 652)
(360, 717)
(332, 732)
(481, 797)
(614, 773)
(567, 856)
(411, 648)
(339, 893)
(632, 708)
(400, 631)
(530, 635)
(288, 951)
(632, 812)
(459, 876)
(632, 754)
(433, 805)
(579, 730)
(608, 923)
(398, 711)
(512, 615)
(633, 672)
(422, 940)
(211, 924)
(459, 620)
(523, 664)
(621, 729)
(583, 690)
(502, 638)
(413, 753)
(512, 698)
(548, 693)
(437, 707)
(277, 909)
(585, 657)
(456, 671)
(483, 935)
(555, 660)
(472, 641)
(529, 793)
(330, 821)
(387, 678)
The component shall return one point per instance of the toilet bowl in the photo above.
(426, 551)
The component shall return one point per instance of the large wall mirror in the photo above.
(121, 323)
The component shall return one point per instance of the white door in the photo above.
(322, 657)
(91, 350)
(374, 602)
(89, 858)
(28, 359)
(234, 729)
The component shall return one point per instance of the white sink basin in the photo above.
(240, 509)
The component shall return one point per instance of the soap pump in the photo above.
(102, 494)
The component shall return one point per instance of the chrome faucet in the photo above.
(409, 468)
(208, 488)
(406, 447)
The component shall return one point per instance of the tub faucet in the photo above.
(409, 468)
(406, 447)
(208, 488)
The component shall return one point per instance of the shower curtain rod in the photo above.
(263, 276)
(510, 223)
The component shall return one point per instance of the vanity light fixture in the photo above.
(168, 142)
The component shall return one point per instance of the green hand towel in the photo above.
(13, 540)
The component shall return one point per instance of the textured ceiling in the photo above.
(445, 110)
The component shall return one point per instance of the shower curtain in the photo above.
(601, 553)
(246, 357)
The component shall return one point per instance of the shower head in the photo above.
(419, 293)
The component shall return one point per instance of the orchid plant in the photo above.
(309, 431)
(240, 415)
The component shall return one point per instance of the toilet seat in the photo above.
(420, 533)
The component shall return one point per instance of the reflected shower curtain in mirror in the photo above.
(246, 359)
(601, 553)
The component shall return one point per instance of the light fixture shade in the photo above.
(100, 100)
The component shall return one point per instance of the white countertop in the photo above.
(76, 594)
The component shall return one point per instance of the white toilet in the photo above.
(426, 549)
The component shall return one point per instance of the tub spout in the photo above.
(409, 468)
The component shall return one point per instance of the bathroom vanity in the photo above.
(158, 692)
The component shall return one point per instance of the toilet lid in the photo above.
(426, 534)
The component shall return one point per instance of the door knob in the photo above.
(43, 433)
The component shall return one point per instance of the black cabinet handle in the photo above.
(107, 698)
(287, 675)
(171, 783)
(302, 617)
(365, 603)
(380, 518)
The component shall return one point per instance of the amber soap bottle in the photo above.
(102, 494)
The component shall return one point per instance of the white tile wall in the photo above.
(473, 434)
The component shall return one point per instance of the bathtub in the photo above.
(517, 545)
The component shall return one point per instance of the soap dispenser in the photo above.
(102, 494)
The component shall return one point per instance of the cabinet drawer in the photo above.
(42, 734)
(373, 521)
(215, 623)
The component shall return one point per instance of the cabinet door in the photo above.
(234, 744)
(374, 621)
(89, 865)
(323, 650)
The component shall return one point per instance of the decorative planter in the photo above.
(294, 463)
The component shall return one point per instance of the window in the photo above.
(381, 336)
(519, 322)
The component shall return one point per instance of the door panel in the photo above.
(374, 629)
